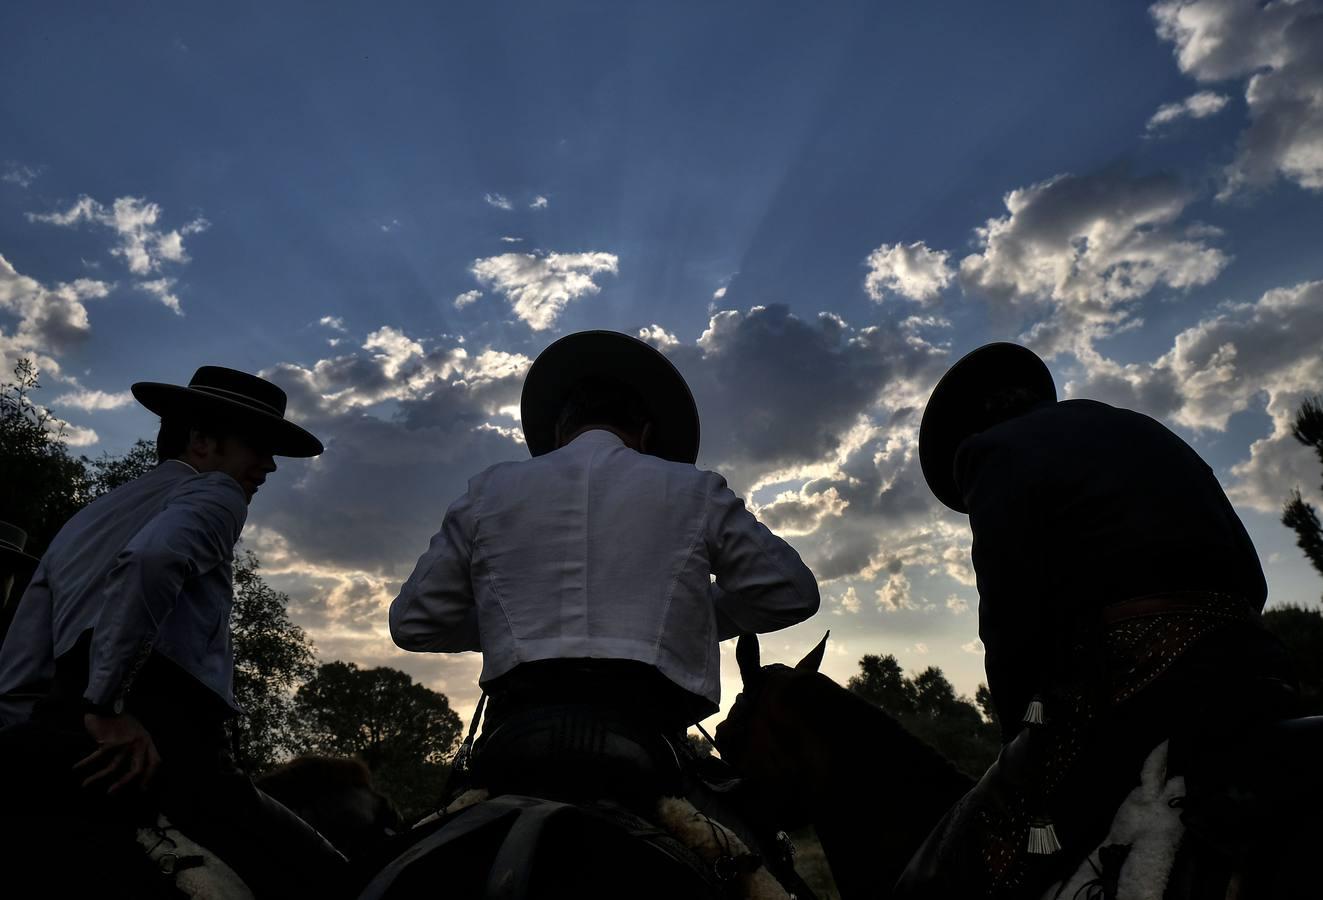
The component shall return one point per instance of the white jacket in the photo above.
(596, 550)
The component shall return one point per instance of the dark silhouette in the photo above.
(1119, 602)
(816, 753)
(116, 675)
(337, 797)
(1298, 515)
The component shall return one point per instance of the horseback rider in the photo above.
(584, 576)
(1119, 602)
(117, 675)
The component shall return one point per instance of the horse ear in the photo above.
(813, 660)
(748, 655)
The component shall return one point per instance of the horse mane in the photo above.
(847, 721)
(305, 778)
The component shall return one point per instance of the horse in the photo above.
(820, 755)
(335, 796)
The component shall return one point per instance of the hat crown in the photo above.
(240, 387)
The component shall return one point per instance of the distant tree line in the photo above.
(964, 731)
(404, 731)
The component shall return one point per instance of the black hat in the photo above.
(954, 410)
(628, 360)
(228, 394)
(12, 541)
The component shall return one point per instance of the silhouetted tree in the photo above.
(107, 472)
(42, 484)
(882, 682)
(929, 707)
(403, 730)
(272, 657)
(1297, 514)
(1301, 630)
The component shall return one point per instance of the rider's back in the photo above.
(598, 551)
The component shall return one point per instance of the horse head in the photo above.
(763, 735)
(336, 796)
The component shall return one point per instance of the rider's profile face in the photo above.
(246, 459)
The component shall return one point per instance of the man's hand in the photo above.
(121, 741)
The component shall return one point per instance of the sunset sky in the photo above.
(812, 207)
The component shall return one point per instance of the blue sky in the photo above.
(813, 208)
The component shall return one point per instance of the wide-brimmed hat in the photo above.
(246, 401)
(12, 541)
(626, 359)
(954, 410)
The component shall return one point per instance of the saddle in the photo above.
(514, 847)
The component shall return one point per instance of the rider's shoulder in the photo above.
(211, 490)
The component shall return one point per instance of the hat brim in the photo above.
(283, 437)
(562, 365)
(10, 555)
(953, 410)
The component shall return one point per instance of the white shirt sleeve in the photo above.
(194, 533)
(762, 584)
(435, 610)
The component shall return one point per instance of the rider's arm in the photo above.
(761, 583)
(435, 610)
(195, 532)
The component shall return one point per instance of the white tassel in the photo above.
(1043, 838)
(1034, 714)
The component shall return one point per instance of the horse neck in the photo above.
(877, 790)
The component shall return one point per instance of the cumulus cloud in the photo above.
(788, 392)
(163, 289)
(12, 172)
(1278, 48)
(802, 512)
(335, 323)
(90, 401)
(658, 337)
(894, 594)
(50, 319)
(468, 298)
(1083, 246)
(371, 502)
(848, 602)
(500, 201)
(143, 245)
(539, 287)
(1228, 363)
(957, 605)
(911, 270)
(539, 202)
(1196, 106)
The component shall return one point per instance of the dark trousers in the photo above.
(198, 787)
